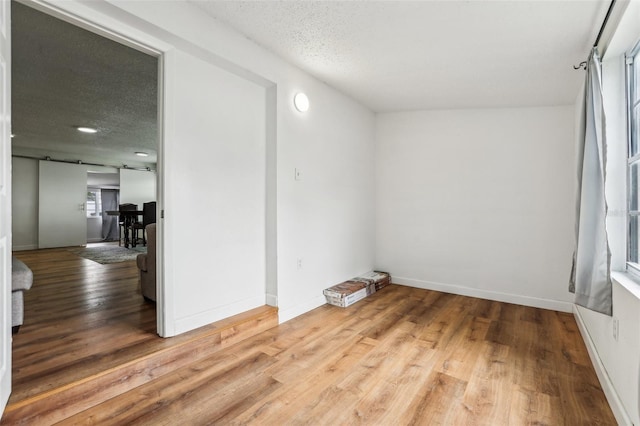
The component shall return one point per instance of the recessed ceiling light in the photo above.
(142, 154)
(87, 130)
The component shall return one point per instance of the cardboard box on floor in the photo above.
(349, 292)
(378, 278)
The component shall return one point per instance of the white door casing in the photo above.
(5, 202)
(62, 218)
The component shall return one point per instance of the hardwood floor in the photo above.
(77, 313)
(401, 356)
(89, 335)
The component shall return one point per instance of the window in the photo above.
(94, 203)
(633, 160)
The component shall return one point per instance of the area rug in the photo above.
(109, 254)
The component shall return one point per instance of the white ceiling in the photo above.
(411, 55)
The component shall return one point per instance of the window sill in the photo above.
(627, 280)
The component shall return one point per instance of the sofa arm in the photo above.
(141, 261)
(21, 275)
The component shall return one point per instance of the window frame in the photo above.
(632, 61)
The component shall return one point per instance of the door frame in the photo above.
(5, 204)
(88, 18)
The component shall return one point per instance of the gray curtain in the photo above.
(110, 231)
(591, 271)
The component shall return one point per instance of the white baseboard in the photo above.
(290, 313)
(535, 302)
(272, 300)
(607, 386)
(27, 247)
(191, 322)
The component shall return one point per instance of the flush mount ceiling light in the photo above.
(142, 154)
(301, 102)
(87, 130)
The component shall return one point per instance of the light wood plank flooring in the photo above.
(401, 356)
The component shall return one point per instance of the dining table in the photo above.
(130, 217)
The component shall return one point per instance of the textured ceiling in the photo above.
(389, 55)
(408, 55)
(64, 77)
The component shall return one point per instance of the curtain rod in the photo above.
(583, 64)
(604, 23)
(47, 158)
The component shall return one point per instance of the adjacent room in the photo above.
(84, 145)
(482, 153)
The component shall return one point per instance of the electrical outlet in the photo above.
(297, 174)
(299, 263)
(616, 328)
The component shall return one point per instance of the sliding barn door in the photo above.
(5, 203)
(62, 218)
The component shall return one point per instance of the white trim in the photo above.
(555, 305)
(291, 313)
(605, 382)
(210, 316)
(627, 280)
(272, 300)
(271, 196)
(164, 327)
(25, 247)
(91, 19)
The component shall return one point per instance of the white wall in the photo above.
(327, 218)
(24, 204)
(215, 194)
(618, 357)
(478, 202)
(137, 187)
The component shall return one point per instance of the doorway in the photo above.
(80, 101)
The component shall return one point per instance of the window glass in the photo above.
(633, 239)
(636, 79)
(94, 203)
(633, 140)
(634, 176)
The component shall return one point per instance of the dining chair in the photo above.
(122, 222)
(148, 217)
